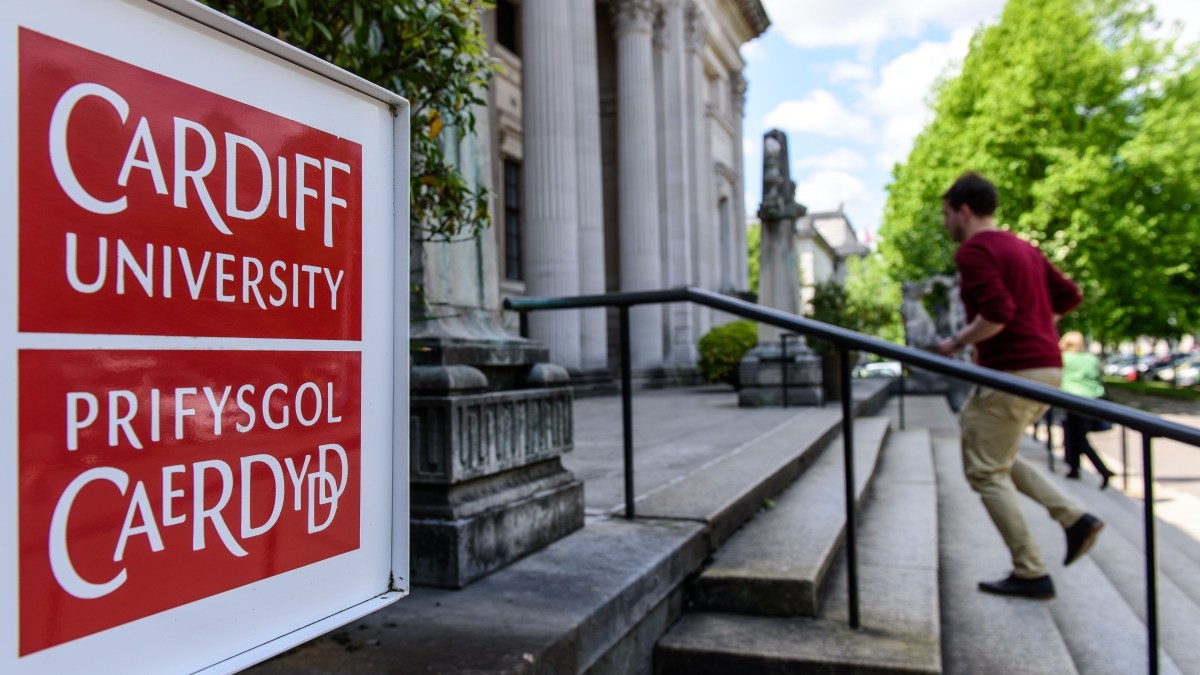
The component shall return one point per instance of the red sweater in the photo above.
(1009, 281)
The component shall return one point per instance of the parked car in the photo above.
(879, 369)
(1164, 368)
(1120, 365)
(1183, 373)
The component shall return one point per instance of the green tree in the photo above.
(1068, 108)
(432, 52)
(753, 255)
(874, 298)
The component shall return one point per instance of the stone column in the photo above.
(677, 224)
(590, 202)
(703, 223)
(551, 244)
(762, 370)
(633, 27)
(741, 272)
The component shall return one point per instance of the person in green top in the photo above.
(1080, 376)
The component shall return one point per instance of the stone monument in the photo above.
(489, 420)
(923, 331)
(764, 368)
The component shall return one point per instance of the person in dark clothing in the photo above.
(1081, 376)
(1013, 297)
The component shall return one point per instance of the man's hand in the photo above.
(948, 346)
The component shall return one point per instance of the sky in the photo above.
(850, 82)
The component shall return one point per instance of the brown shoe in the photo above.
(1040, 588)
(1081, 536)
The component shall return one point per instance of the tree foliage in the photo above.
(432, 52)
(1087, 127)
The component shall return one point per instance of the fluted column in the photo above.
(703, 216)
(593, 323)
(677, 171)
(551, 242)
(633, 26)
(740, 272)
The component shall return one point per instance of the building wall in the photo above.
(702, 240)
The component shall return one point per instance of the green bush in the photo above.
(722, 349)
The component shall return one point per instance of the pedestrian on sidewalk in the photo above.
(1013, 296)
(1081, 376)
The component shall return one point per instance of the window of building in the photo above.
(507, 19)
(512, 220)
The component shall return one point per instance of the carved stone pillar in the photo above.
(641, 269)
(703, 221)
(677, 171)
(551, 247)
(740, 271)
(593, 325)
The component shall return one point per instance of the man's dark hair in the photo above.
(975, 191)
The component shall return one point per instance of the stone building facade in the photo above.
(824, 242)
(616, 135)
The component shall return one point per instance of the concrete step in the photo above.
(593, 601)
(982, 633)
(1112, 584)
(898, 594)
(774, 566)
(1178, 553)
(728, 491)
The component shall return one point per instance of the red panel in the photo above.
(125, 227)
(107, 491)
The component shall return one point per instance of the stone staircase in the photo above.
(773, 598)
(738, 566)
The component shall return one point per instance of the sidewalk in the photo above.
(676, 432)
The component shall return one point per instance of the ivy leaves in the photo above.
(432, 52)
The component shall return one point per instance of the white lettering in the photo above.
(197, 176)
(277, 473)
(203, 513)
(232, 143)
(74, 424)
(60, 158)
(60, 556)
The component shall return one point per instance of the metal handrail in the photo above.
(1151, 426)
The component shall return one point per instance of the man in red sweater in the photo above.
(1013, 297)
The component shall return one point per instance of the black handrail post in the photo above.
(848, 450)
(627, 409)
(903, 386)
(1151, 555)
(523, 326)
(1125, 457)
(783, 363)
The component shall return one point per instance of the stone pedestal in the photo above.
(489, 423)
(762, 372)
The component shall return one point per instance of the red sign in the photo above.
(151, 479)
(153, 207)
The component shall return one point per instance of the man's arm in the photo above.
(978, 330)
(1064, 294)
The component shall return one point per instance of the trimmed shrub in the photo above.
(722, 349)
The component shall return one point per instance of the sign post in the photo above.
(205, 307)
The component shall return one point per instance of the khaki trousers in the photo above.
(993, 423)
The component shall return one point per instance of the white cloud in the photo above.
(753, 51)
(866, 23)
(1186, 12)
(842, 159)
(826, 190)
(849, 71)
(820, 113)
(901, 98)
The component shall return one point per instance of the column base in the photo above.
(466, 532)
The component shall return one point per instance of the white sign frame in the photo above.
(189, 42)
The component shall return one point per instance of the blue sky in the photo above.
(850, 82)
